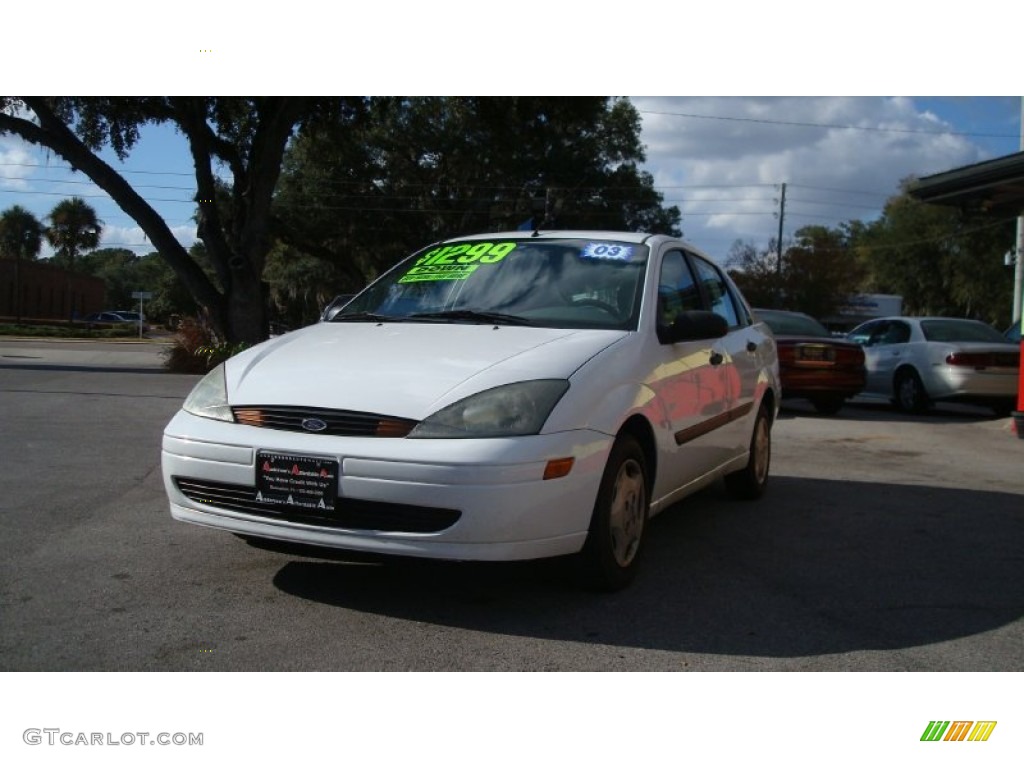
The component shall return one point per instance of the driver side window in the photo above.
(677, 290)
(717, 292)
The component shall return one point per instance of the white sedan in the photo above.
(496, 397)
(916, 361)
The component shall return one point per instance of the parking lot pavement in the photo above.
(885, 542)
(146, 355)
(952, 445)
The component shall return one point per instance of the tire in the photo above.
(828, 406)
(749, 483)
(612, 550)
(909, 395)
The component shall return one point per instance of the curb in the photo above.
(78, 340)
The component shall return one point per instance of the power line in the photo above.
(795, 123)
(844, 191)
(370, 209)
(941, 238)
(391, 209)
(27, 193)
(314, 193)
(838, 205)
(365, 183)
(72, 168)
(78, 181)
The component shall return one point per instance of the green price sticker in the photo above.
(456, 262)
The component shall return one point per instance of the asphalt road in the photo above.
(885, 542)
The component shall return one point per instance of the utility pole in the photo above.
(778, 244)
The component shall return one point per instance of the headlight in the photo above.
(512, 409)
(209, 399)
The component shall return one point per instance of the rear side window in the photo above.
(881, 332)
(959, 330)
(894, 332)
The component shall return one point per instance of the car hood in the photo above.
(406, 370)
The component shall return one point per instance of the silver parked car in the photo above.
(916, 361)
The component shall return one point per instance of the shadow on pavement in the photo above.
(816, 567)
(82, 368)
(879, 410)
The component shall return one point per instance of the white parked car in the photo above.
(496, 397)
(916, 361)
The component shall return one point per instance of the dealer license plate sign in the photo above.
(816, 353)
(304, 482)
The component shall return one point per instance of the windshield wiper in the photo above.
(363, 317)
(497, 318)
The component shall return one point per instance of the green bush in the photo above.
(197, 350)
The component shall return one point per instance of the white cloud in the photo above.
(15, 157)
(750, 146)
(133, 238)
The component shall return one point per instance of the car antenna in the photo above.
(547, 220)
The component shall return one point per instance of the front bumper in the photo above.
(504, 509)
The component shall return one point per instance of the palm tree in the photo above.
(73, 228)
(21, 237)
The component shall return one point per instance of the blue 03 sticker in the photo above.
(606, 251)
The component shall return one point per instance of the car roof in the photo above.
(644, 238)
(926, 317)
(558, 234)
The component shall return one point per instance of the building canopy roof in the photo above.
(994, 187)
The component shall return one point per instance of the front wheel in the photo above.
(750, 482)
(609, 556)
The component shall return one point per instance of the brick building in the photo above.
(47, 292)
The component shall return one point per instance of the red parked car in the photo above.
(813, 364)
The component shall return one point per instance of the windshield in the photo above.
(549, 283)
(791, 323)
(959, 330)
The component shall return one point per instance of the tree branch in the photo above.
(55, 135)
(190, 115)
(276, 120)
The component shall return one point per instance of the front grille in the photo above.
(343, 423)
(353, 514)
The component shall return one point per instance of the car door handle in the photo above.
(716, 358)
(751, 346)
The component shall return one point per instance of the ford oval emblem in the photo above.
(314, 425)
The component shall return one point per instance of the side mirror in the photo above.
(337, 304)
(695, 325)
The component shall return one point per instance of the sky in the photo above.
(757, 114)
(721, 160)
